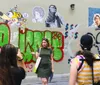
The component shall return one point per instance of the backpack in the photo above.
(69, 61)
(93, 83)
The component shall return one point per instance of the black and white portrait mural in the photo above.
(53, 19)
(38, 14)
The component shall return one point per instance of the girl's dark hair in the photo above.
(8, 59)
(9, 54)
(89, 57)
(46, 41)
(86, 42)
(79, 53)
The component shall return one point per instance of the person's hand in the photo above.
(19, 54)
(52, 70)
(33, 53)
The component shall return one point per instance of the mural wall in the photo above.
(24, 23)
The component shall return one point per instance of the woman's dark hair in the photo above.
(8, 59)
(9, 53)
(45, 39)
(86, 43)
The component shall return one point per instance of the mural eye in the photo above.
(10, 14)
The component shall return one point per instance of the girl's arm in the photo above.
(37, 55)
(73, 74)
(20, 61)
(52, 63)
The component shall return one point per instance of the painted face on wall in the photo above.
(52, 9)
(97, 19)
(10, 14)
(44, 43)
(37, 15)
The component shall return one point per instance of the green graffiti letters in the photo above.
(30, 41)
(4, 34)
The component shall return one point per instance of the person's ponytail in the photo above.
(89, 57)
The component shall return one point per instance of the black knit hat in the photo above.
(86, 41)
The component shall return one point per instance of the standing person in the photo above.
(10, 73)
(46, 65)
(81, 71)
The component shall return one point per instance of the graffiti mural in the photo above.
(71, 31)
(71, 34)
(29, 41)
(96, 40)
(29, 66)
(14, 36)
(13, 17)
(4, 34)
